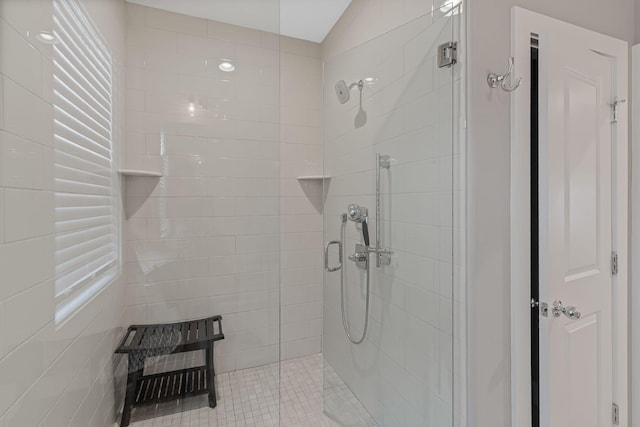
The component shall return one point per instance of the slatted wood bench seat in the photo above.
(143, 341)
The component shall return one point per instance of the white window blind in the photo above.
(86, 216)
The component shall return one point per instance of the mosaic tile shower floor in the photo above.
(250, 398)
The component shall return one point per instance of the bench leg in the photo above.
(129, 399)
(211, 373)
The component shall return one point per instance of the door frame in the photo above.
(635, 230)
(523, 23)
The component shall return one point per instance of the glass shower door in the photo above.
(388, 229)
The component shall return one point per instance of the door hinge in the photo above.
(614, 263)
(447, 54)
(614, 107)
(615, 414)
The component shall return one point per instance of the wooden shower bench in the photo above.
(143, 341)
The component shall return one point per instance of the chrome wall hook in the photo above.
(494, 79)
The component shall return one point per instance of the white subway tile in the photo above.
(152, 38)
(257, 244)
(163, 20)
(300, 312)
(302, 276)
(24, 264)
(26, 313)
(136, 15)
(135, 100)
(25, 164)
(19, 370)
(1, 218)
(256, 206)
(257, 357)
(250, 282)
(224, 304)
(294, 46)
(149, 293)
(301, 259)
(423, 304)
(301, 294)
(28, 214)
(299, 241)
(301, 223)
(254, 263)
(92, 396)
(136, 314)
(269, 40)
(26, 115)
(19, 60)
(242, 35)
(304, 347)
(27, 16)
(2, 103)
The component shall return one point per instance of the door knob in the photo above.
(570, 312)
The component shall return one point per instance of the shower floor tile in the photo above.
(250, 398)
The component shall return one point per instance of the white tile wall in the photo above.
(206, 237)
(1, 217)
(50, 375)
(403, 372)
(301, 201)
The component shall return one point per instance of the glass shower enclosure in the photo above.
(389, 227)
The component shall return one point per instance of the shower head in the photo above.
(343, 91)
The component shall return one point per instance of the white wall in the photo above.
(403, 372)
(50, 374)
(205, 238)
(489, 402)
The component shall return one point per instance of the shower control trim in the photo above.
(361, 256)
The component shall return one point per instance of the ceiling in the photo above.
(303, 19)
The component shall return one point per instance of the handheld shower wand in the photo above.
(360, 215)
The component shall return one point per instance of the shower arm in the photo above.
(359, 84)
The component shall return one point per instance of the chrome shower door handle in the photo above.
(570, 312)
(326, 256)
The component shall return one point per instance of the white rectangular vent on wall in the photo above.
(86, 216)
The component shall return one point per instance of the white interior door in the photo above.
(576, 231)
(584, 216)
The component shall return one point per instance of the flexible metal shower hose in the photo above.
(343, 272)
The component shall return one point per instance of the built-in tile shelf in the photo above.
(135, 172)
(314, 178)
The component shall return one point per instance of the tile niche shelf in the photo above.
(137, 172)
(314, 178)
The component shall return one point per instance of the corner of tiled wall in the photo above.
(301, 200)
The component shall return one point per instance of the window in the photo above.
(86, 218)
